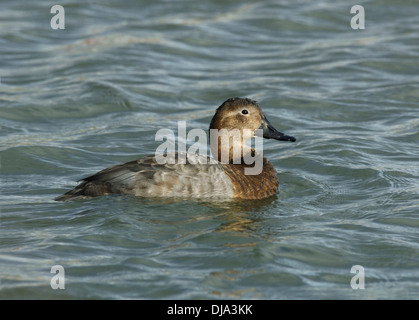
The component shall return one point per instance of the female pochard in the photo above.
(229, 175)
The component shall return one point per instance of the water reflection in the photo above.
(237, 216)
(240, 218)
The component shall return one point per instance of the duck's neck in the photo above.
(230, 147)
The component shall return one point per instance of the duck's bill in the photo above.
(269, 132)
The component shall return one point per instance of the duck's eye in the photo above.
(244, 111)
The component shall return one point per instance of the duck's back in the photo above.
(147, 178)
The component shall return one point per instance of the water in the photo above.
(75, 101)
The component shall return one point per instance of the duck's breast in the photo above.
(260, 186)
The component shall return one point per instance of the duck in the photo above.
(223, 176)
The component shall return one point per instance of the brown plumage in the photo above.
(200, 178)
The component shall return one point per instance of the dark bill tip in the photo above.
(278, 136)
(287, 138)
(269, 132)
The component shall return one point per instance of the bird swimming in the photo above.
(199, 177)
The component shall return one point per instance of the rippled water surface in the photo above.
(78, 100)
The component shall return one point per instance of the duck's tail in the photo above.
(77, 193)
(86, 190)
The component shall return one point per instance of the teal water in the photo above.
(78, 100)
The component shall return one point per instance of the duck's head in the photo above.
(246, 116)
